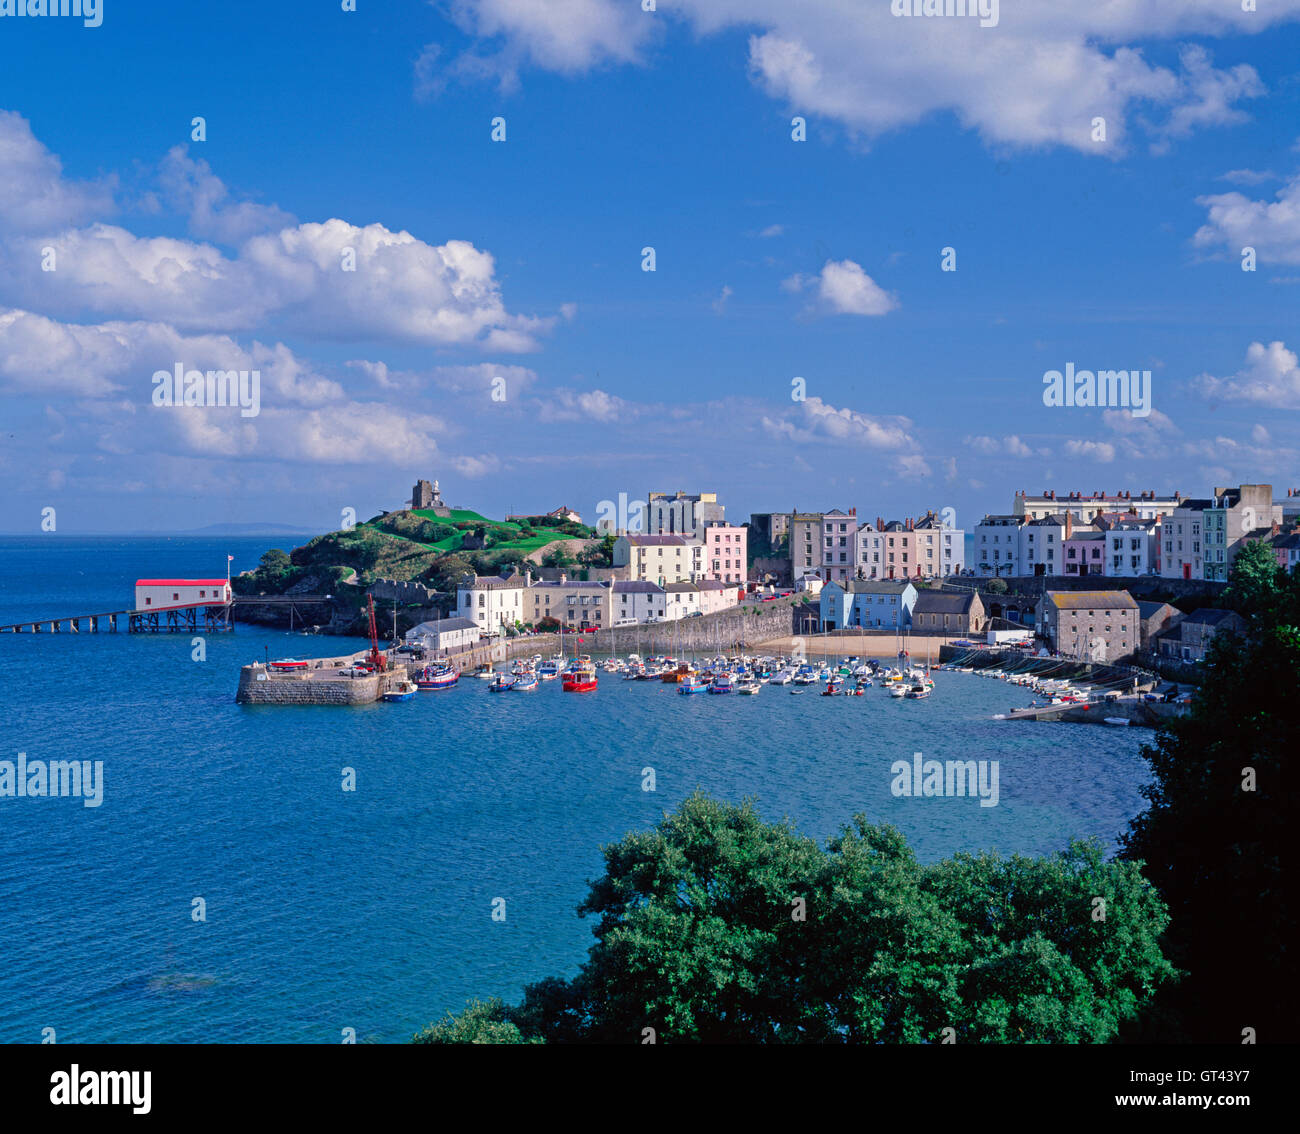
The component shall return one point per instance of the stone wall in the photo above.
(395, 590)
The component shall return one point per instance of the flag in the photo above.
(230, 558)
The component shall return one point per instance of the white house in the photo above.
(1132, 547)
(681, 600)
(997, 546)
(492, 602)
(638, 601)
(661, 559)
(444, 634)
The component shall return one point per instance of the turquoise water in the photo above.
(372, 910)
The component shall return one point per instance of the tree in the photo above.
(557, 556)
(1216, 837)
(275, 562)
(1256, 580)
(448, 572)
(996, 586)
(717, 927)
(482, 1021)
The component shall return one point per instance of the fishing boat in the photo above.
(806, 675)
(402, 691)
(580, 678)
(524, 682)
(485, 671)
(692, 684)
(723, 683)
(830, 690)
(917, 692)
(750, 686)
(501, 683)
(549, 670)
(675, 675)
(431, 678)
(782, 677)
(898, 691)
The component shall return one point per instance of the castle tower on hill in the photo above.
(427, 497)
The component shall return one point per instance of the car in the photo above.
(696, 614)
(353, 671)
(409, 648)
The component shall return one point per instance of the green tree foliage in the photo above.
(483, 1021)
(448, 571)
(1216, 838)
(557, 556)
(275, 561)
(996, 586)
(717, 927)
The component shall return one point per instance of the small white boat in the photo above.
(402, 691)
(749, 687)
(1117, 722)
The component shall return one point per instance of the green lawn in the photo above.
(533, 543)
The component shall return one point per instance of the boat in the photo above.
(897, 690)
(580, 678)
(917, 692)
(431, 678)
(524, 682)
(723, 683)
(805, 676)
(782, 677)
(288, 664)
(677, 675)
(403, 691)
(549, 670)
(750, 686)
(501, 683)
(830, 690)
(485, 671)
(692, 684)
(1116, 722)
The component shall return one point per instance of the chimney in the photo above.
(528, 577)
(1069, 524)
(563, 578)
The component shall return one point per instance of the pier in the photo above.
(187, 620)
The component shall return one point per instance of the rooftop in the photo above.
(1091, 600)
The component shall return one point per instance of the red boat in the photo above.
(580, 679)
(288, 664)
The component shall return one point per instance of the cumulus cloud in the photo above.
(843, 288)
(1235, 221)
(815, 420)
(1036, 79)
(402, 288)
(190, 187)
(584, 405)
(1011, 446)
(1270, 377)
(34, 194)
(1100, 451)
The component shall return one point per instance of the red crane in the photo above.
(376, 659)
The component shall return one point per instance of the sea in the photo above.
(228, 889)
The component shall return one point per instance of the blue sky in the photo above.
(775, 259)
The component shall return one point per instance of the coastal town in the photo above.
(1073, 568)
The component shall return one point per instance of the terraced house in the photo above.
(491, 602)
(661, 559)
(574, 603)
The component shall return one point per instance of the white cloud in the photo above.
(843, 288)
(1100, 451)
(584, 405)
(771, 230)
(1038, 78)
(815, 420)
(720, 304)
(1235, 221)
(191, 187)
(34, 194)
(1269, 378)
(403, 288)
(1011, 446)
